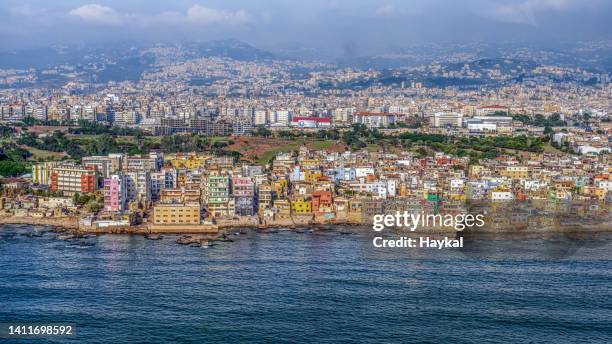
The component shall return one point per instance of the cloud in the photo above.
(98, 14)
(517, 13)
(326, 24)
(524, 12)
(206, 16)
(385, 10)
(196, 15)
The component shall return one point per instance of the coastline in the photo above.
(64, 223)
(71, 224)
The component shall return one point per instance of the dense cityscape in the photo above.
(323, 171)
(196, 143)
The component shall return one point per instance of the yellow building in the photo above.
(457, 196)
(180, 195)
(469, 110)
(187, 161)
(312, 176)
(475, 170)
(265, 196)
(515, 172)
(176, 214)
(593, 192)
(41, 172)
(282, 209)
(552, 108)
(301, 205)
(310, 163)
(279, 187)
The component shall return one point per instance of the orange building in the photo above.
(321, 200)
(72, 178)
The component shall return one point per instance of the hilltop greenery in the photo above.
(13, 160)
(94, 128)
(539, 120)
(97, 139)
(78, 146)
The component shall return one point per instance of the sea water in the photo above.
(308, 287)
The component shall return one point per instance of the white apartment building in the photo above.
(447, 119)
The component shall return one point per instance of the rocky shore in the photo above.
(67, 223)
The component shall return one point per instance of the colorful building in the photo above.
(41, 172)
(115, 193)
(177, 214)
(71, 178)
(301, 205)
(243, 190)
(217, 196)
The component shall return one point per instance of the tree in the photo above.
(94, 206)
(548, 130)
(12, 168)
(262, 131)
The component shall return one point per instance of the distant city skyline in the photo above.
(335, 27)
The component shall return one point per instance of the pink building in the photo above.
(243, 187)
(243, 190)
(115, 193)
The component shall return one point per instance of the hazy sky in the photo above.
(333, 25)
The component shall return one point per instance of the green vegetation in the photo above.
(269, 155)
(539, 120)
(96, 139)
(360, 136)
(56, 142)
(6, 131)
(423, 138)
(94, 202)
(330, 134)
(520, 143)
(30, 121)
(262, 131)
(474, 147)
(12, 168)
(321, 144)
(94, 128)
(83, 145)
(412, 125)
(13, 160)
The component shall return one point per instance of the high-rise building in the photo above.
(125, 118)
(115, 193)
(138, 185)
(243, 190)
(374, 119)
(103, 164)
(36, 112)
(139, 163)
(282, 117)
(265, 196)
(241, 128)
(71, 178)
(217, 196)
(260, 117)
(162, 180)
(89, 113)
(343, 115)
(41, 172)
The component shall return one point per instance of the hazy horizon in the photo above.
(335, 27)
